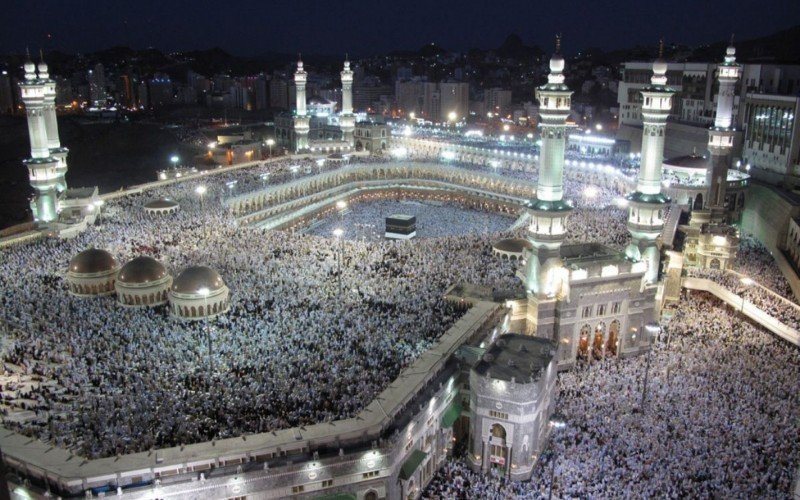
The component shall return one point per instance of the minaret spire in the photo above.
(301, 119)
(647, 205)
(547, 209)
(721, 135)
(347, 121)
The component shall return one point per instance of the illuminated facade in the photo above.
(512, 396)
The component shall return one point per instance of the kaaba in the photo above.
(401, 227)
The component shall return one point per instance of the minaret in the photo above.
(43, 169)
(548, 211)
(347, 121)
(301, 119)
(51, 124)
(647, 204)
(720, 136)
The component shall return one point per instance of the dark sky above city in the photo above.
(252, 27)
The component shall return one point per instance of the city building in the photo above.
(445, 102)
(772, 138)
(497, 100)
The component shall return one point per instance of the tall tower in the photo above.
(547, 209)
(51, 124)
(647, 204)
(347, 121)
(301, 119)
(720, 136)
(43, 169)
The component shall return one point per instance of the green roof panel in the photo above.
(411, 464)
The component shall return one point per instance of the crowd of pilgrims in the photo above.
(771, 292)
(720, 420)
(102, 379)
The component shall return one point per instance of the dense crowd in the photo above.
(721, 420)
(291, 351)
(753, 259)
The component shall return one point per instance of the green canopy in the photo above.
(411, 464)
(336, 496)
(451, 414)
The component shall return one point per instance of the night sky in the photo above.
(252, 27)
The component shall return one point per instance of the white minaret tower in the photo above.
(347, 120)
(647, 204)
(547, 209)
(51, 124)
(43, 169)
(720, 136)
(301, 119)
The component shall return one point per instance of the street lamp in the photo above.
(746, 282)
(558, 422)
(341, 205)
(99, 205)
(270, 143)
(201, 190)
(451, 116)
(174, 159)
(338, 232)
(652, 330)
(204, 292)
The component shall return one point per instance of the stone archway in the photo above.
(598, 341)
(613, 338)
(583, 343)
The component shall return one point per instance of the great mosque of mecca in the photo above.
(256, 335)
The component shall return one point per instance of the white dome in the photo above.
(731, 51)
(557, 63)
(660, 67)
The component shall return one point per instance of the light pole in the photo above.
(338, 232)
(99, 205)
(201, 190)
(652, 329)
(558, 422)
(270, 143)
(264, 178)
(746, 282)
(204, 292)
(341, 205)
(174, 159)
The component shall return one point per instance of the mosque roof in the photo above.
(317, 100)
(92, 261)
(141, 270)
(659, 198)
(195, 278)
(515, 245)
(521, 357)
(688, 161)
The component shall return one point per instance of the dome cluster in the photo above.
(198, 291)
